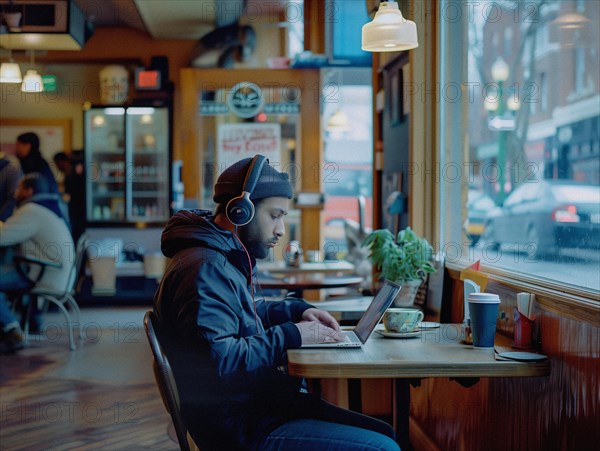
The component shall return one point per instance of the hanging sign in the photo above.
(237, 141)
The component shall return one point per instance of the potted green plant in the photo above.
(404, 259)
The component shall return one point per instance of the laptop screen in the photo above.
(376, 309)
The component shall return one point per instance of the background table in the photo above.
(300, 282)
(279, 267)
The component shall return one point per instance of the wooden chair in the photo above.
(166, 382)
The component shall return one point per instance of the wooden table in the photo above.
(313, 281)
(436, 353)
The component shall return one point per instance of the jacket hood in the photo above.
(195, 228)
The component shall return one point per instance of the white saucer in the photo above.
(384, 333)
(428, 325)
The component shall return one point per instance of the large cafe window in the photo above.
(532, 138)
(347, 171)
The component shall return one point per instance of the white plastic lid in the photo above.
(484, 298)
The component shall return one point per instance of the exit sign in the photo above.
(49, 82)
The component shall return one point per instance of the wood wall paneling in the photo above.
(558, 412)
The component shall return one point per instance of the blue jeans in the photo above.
(333, 429)
(10, 280)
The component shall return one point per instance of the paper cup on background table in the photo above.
(483, 310)
(104, 275)
(104, 255)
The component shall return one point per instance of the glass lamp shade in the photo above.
(32, 82)
(389, 31)
(10, 73)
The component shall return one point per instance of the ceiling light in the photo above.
(389, 31)
(10, 73)
(32, 82)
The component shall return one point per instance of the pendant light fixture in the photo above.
(32, 82)
(10, 72)
(389, 31)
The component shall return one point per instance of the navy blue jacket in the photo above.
(229, 362)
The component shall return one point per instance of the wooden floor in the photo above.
(100, 397)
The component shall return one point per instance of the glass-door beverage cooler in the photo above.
(128, 153)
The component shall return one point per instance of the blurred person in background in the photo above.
(10, 174)
(39, 229)
(74, 189)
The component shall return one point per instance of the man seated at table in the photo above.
(40, 230)
(228, 346)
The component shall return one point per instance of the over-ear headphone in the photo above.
(240, 209)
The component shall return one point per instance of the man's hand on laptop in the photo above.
(314, 314)
(319, 327)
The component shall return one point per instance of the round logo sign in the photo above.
(245, 100)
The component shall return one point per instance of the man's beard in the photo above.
(253, 243)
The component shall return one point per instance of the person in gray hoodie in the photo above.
(228, 346)
(40, 230)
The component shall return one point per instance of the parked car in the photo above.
(543, 217)
(478, 206)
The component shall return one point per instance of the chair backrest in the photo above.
(165, 379)
(82, 245)
(80, 248)
(74, 271)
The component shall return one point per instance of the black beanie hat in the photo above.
(271, 183)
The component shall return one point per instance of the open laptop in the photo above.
(363, 330)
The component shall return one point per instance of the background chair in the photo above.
(61, 299)
(166, 382)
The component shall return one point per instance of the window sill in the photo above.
(567, 301)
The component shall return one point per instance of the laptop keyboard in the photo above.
(351, 337)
